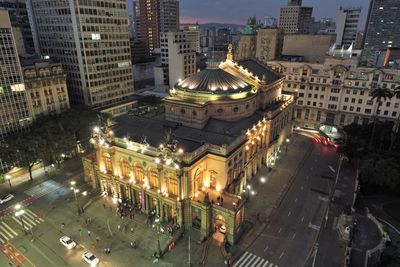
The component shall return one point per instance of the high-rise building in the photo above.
(178, 58)
(246, 47)
(155, 17)
(17, 10)
(90, 39)
(14, 111)
(169, 15)
(295, 18)
(382, 28)
(346, 26)
(192, 33)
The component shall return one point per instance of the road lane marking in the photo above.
(5, 231)
(313, 226)
(265, 264)
(295, 200)
(245, 255)
(265, 249)
(255, 263)
(332, 169)
(302, 219)
(289, 213)
(9, 228)
(281, 255)
(280, 229)
(294, 236)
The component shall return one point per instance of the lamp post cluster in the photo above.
(18, 213)
(8, 178)
(76, 191)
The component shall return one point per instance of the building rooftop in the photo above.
(258, 69)
(216, 132)
(213, 80)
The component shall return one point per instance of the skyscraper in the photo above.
(346, 26)
(155, 17)
(17, 10)
(295, 18)
(90, 39)
(14, 110)
(382, 28)
(169, 15)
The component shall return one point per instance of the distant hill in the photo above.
(220, 25)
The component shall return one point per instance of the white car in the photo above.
(90, 258)
(222, 229)
(67, 242)
(6, 198)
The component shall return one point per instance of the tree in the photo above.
(22, 150)
(378, 94)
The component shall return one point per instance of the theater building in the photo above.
(190, 163)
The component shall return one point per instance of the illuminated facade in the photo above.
(191, 163)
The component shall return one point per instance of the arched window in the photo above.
(107, 163)
(153, 177)
(139, 173)
(198, 179)
(172, 184)
(125, 168)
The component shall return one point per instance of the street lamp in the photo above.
(18, 213)
(157, 225)
(287, 143)
(8, 178)
(75, 190)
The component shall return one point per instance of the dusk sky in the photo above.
(237, 11)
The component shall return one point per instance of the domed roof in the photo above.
(213, 80)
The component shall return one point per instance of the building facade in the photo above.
(190, 165)
(246, 46)
(311, 48)
(178, 58)
(346, 26)
(90, 39)
(15, 114)
(169, 15)
(192, 33)
(336, 92)
(381, 29)
(295, 18)
(46, 87)
(269, 44)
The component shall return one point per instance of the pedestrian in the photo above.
(104, 206)
(88, 233)
(119, 227)
(109, 250)
(97, 239)
(131, 229)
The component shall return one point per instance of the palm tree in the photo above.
(395, 93)
(378, 94)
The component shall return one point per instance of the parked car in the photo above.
(90, 258)
(6, 198)
(67, 242)
(222, 229)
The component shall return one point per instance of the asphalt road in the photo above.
(292, 228)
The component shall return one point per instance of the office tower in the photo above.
(295, 18)
(90, 39)
(178, 58)
(169, 15)
(14, 110)
(382, 28)
(18, 12)
(346, 26)
(193, 34)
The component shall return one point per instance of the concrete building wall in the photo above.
(312, 47)
(269, 44)
(246, 47)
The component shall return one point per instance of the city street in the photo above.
(293, 223)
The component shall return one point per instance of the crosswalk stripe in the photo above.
(256, 262)
(6, 237)
(9, 228)
(18, 221)
(265, 264)
(271, 265)
(27, 215)
(26, 218)
(5, 231)
(1, 240)
(241, 259)
(252, 258)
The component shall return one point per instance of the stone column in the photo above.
(160, 176)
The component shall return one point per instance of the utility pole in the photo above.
(189, 250)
